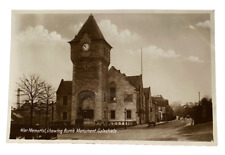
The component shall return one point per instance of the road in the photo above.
(171, 131)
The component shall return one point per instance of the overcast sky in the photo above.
(176, 49)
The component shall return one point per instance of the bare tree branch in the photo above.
(31, 86)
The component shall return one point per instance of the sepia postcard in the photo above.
(115, 77)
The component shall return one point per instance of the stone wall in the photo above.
(122, 87)
(60, 108)
(90, 72)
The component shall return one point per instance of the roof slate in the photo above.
(160, 101)
(65, 87)
(91, 28)
(134, 81)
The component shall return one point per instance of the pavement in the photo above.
(180, 130)
(146, 125)
(160, 123)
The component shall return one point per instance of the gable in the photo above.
(65, 87)
(133, 81)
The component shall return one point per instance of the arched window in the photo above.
(112, 92)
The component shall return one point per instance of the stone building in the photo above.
(154, 112)
(148, 105)
(165, 112)
(20, 116)
(96, 93)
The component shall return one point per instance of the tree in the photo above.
(32, 87)
(48, 97)
(202, 112)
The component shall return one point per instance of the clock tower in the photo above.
(90, 55)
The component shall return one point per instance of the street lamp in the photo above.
(125, 112)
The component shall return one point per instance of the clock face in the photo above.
(85, 47)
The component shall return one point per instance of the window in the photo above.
(164, 109)
(113, 114)
(128, 97)
(104, 97)
(151, 109)
(106, 52)
(112, 94)
(64, 115)
(108, 55)
(104, 114)
(160, 108)
(85, 67)
(64, 100)
(128, 114)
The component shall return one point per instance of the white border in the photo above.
(5, 31)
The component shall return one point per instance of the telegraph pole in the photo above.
(140, 95)
(18, 97)
(141, 64)
(46, 120)
(52, 112)
(125, 116)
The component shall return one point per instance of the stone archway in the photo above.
(86, 106)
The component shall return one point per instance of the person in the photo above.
(192, 121)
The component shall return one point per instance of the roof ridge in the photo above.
(91, 28)
(65, 87)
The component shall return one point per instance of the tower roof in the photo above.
(91, 28)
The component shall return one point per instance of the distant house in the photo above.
(165, 112)
(154, 111)
(21, 115)
(148, 105)
(63, 102)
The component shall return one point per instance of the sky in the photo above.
(176, 49)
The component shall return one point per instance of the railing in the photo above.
(115, 123)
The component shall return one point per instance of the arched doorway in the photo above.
(86, 106)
